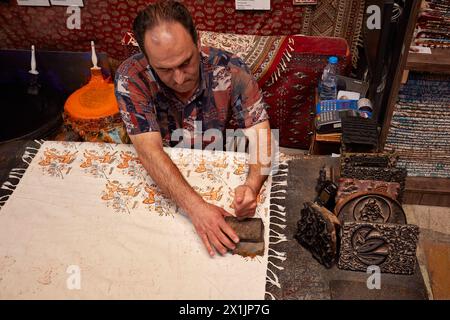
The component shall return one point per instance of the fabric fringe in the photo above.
(358, 35)
(282, 65)
(16, 174)
(277, 207)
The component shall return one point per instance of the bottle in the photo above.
(328, 86)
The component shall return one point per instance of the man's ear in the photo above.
(199, 43)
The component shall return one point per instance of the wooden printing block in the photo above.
(348, 186)
(381, 160)
(317, 232)
(391, 247)
(359, 134)
(378, 174)
(251, 236)
(370, 206)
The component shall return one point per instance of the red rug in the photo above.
(289, 86)
(106, 21)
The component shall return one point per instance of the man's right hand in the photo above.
(207, 218)
(211, 227)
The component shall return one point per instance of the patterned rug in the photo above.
(289, 87)
(420, 130)
(433, 25)
(258, 52)
(85, 221)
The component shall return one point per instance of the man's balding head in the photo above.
(159, 13)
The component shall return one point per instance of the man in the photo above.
(170, 85)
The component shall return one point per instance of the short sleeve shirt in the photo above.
(227, 97)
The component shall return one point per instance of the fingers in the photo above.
(225, 241)
(246, 210)
(246, 214)
(229, 232)
(239, 194)
(216, 243)
(205, 240)
(225, 213)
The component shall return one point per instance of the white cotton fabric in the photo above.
(70, 214)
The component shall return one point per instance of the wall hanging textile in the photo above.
(106, 21)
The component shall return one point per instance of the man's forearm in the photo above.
(260, 155)
(254, 178)
(167, 176)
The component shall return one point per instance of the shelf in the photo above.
(329, 137)
(427, 191)
(437, 62)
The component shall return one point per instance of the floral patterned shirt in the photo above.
(228, 97)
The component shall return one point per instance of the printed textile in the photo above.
(85, 221)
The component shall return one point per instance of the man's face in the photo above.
(174, 56)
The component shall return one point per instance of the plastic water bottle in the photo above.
(328, 86)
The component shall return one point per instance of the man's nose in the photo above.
(178, 76)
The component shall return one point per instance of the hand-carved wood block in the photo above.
(251, 236)
(370, 206)
(381, 160)
(348, 186)
(359, 134)
(378, 174)
(392, 247)
(317, 232)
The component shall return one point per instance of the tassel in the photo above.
(278, 191)
(278, 206)
(278, 267)
(277, 234)
(277, 257)
(277, 242)
(273, 281)
(14, 176)
(271, 295)
(6, 187)
(279, 218)
(277, 252)
(282, 226)
(283, 213)
(9, 184)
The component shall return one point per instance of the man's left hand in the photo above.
(244, 203)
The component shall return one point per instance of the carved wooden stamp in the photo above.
(348, 186)
(374, 207)
(359, 134)
(317, 232)
(381, 160)
(378, 174)
(251, 236)
(392, 247)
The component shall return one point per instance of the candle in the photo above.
(33, 62)
(94, 56)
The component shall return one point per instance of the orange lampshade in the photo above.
(94, 100)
